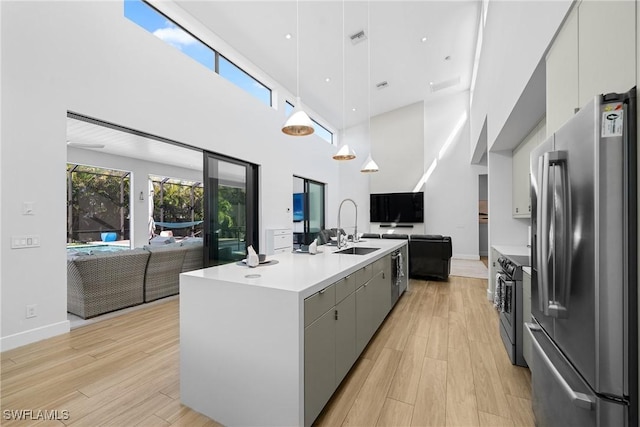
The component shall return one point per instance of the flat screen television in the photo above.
(298, 207)
(397, 207)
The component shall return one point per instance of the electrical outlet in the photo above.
(31, 311)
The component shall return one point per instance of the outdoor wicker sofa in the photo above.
(98, 284)
(193, 258)
(103, 282)
(162, 277)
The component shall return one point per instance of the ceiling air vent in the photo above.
(382, 85)
(444, 84)
(358, 37)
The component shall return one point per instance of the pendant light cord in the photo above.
(369, 77)
(298, 52)
(344, 83)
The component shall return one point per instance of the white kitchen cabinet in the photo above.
(606, 48)
(562, 74)
(594, 53)
(521, 174)
(279, 241)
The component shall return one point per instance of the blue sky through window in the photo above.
(243, 80)
(161, 27)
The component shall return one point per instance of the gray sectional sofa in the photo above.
(103, 282)
(98, 284)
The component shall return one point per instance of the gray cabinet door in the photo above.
(319, 365)
(345, 325)
(380, 288)
(364, 317)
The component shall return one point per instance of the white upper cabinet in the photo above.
(594, 52)
(606, 47)
(562, 75)
(521, 198)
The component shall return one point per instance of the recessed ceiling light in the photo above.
(328, 79)
(287, 36)
(353, 109)
(424, 39)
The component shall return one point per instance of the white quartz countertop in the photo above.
(512, 250)
(300, 272)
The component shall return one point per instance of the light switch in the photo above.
(23, 242)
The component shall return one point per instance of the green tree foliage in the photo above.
(174, 203)
(231, 212)
(99, 202)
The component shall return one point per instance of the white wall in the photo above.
(516, 36)
(504, 229)
(353, 183)
(398, 148)
(405, 142)
(396, 141)
(88, 58)
(451, 191)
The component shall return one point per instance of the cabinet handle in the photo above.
(383, 275)
(336, 314)
(529, 208)
(322, 291)
(516, 210)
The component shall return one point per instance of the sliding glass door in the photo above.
(308, 210)
(231, 206)
(315, 194)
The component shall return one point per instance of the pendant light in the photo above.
(344, 152)
(369, 165)
(298, 123)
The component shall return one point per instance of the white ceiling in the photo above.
(394, 49)
(83, 134)
(397, 54)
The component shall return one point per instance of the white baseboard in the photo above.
(466, 256)
(489, 295)
(32, 335)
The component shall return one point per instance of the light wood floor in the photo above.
(436, 361)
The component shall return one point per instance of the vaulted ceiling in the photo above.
(409, 44)
(424, 50)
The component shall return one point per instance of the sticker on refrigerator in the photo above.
(612, 122)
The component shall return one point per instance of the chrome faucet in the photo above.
(355, 231)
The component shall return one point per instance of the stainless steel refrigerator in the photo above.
(584, 366)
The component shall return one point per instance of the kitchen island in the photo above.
(250, 336)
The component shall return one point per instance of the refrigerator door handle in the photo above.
(543, 234)
(581, 400)
(562, 246)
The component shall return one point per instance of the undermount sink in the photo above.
(356, 250)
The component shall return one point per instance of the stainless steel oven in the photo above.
(508, 302)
